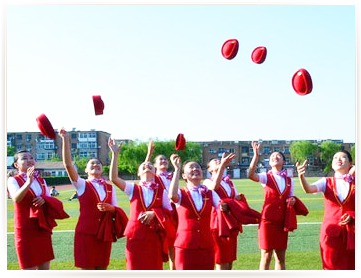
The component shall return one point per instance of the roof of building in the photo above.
(50, 165)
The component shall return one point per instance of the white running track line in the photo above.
(303, 223)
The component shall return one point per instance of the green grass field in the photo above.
(302, 252)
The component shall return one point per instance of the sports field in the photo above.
(302, 253)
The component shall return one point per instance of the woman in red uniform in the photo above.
(278, 190)
(146, 247)
(27, 189)
(337, 238)
(193, 244)
(163, 178)
(96, 197)
(225, 247)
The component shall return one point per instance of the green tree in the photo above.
(11, 151)
(301, 150)
(134, 153)
(327, 150)
(54, 158)
(81, 164)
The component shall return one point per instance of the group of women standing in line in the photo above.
(182, 225)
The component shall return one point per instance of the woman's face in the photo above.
(276, 159)
(146, 168)
(213, 165)
(25, 160)
(94, 167)
(192, 172)
(340, 162)
(161, 163)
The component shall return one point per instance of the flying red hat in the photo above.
(45, 127)
(230, 49)
(302, 82)
(98, 105)
(180, 142)
(259, 54)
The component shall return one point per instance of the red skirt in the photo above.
(194, 259)
(145, 253)
(334, 254)
(33, 247)
(225, 248)
(271, 236)
(90, 252)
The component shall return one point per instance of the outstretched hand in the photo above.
(175, 159)
(63, 133)
(255, 147)
(113, 145)
(225, 160)
(301, 169)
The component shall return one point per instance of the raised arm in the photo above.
(113, 171)
(252, 167)
(68, 164)
(174, 185)
(225, 160)
(301, 169)
(150, 151)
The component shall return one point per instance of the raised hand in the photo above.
(175, 159)
(225, 160)
(113, 145)
(63, 133)
(30, 173)
(301, 169)
(255, 147)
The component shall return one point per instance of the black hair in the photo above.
(349, 156)
(16, 156)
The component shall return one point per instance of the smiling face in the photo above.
(276, 160)
(23, 161)
(341, 163)
(94, 168)
(146, 171)
(192, 172)
(161, 163)
(214, 165)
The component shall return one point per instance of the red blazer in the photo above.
(22, 219)
(90, 217)
(334, 209)
(274, 207)
(194, 227)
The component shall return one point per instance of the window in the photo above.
(83, 154)
(19, 147)
(221, 150)
(212, 151)
(19, 136)
(274, 142)
(40, 156)
(245, 161)
(50, 155)
(277, 149)
(231, 150)
(28, 137)
(286, 149)
(266, 150)
(73, 136)
(73, 145)
(28, 147)
(245, 149)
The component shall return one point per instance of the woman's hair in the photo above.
(16, 156)
(349, 156)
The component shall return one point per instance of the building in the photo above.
(244, 153)
(87, 144)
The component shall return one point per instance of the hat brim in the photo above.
(45, 127)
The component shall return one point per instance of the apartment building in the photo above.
(87, 144)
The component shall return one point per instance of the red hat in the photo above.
(98, 105)
(302, 82)
(180, 142)
(259, 54)
(230, 49)
(45, 127)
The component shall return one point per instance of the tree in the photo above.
(301, 150)
(11, 151)
(327, 151)
(134, 153)
(54, 158)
